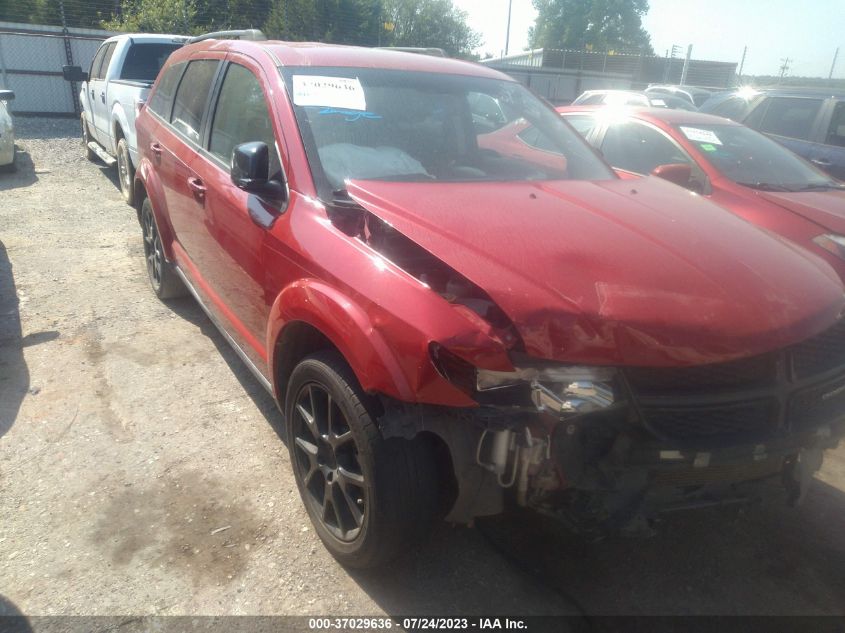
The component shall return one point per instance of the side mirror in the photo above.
(74, 73)
(678, 173)
(7, 95)
(250, 170)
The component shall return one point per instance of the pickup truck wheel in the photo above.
(369, 498)
(86, 138)
(125, 172)
(164, 280)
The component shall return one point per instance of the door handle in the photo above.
(103, 96)
(156, 149)
(196, 185)
(92, 95)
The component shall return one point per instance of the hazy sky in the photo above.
(806, 31)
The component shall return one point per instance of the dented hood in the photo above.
(825, 208)
(615, 272)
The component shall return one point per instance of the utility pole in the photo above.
(686, 65)
(833, 65)
(784, 67)
(742, 63)
(508, 32)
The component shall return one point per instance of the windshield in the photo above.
(749, 158)
(360, 123)
(143, 61)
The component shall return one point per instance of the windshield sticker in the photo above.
(333, 92)
(707, 147)
(659, 102)
(351, 115)
(701, 136)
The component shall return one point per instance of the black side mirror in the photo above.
(74, 73)
(250, 170)
(7, 95)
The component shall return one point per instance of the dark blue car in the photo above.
(810, 122)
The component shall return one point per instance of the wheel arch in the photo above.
(147, 185)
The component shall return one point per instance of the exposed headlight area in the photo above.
(832, 243)
(559, 390)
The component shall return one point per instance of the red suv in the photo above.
(458, 304)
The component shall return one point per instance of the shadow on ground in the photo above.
(21, 175)
(14, 375)
(768, 559)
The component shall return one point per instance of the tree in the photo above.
(81, 13)
(600, 24)
(430, 23)
(156, 16)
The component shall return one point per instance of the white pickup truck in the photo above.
(121, 75)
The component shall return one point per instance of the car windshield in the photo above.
(749, 158)
(361, 123)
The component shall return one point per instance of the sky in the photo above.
(806, 31)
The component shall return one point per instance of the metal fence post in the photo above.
(69, 57)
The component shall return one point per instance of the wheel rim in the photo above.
(326, 462)
(123, 170)
(152, 248)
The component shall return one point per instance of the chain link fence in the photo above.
(31, 60)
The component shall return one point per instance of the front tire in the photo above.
(369, 498)
(163, 278)
(125, 172)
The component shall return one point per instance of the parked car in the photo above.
(447, 324)
(810, 122)
(691, 94)
(7, 132)
(630, 97)
(121, 73)
(732, 165)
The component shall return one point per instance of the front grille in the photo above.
(746, 373)
(820, 354)
(737, 422)
(744, 400)
(818, 404)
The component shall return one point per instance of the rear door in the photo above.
(829, 153)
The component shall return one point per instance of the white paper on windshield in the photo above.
(333, 92)
(698, 135)
(659, 102)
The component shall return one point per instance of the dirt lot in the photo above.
(130, 434)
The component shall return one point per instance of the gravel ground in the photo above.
(130, 434)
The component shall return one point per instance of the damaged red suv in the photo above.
(458, 305)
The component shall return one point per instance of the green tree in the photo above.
(292, 20)
(80, 13)
(156, 16)
(430, 23)
(600, 24)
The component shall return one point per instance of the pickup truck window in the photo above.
(162, 100)
(97, 62)
(191, 97)
(241, 116)
(104, 66)
(144, 61)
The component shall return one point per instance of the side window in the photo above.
(639, 148)
(836, 131)
(241, 116)
(191, 97)
(790, 116)
(104, 67)
(733, 108)
(97, 61)
(536, 139)
(582, 123)
(163, 97)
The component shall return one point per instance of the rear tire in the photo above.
(125, 172)
(163, 278)
(369, 498)
(86, 138)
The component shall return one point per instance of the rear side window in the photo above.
(191, 97)
(163, 97)
(836, 131)
(143, 61)
(241, 116)
(733, 108)
(790, 116)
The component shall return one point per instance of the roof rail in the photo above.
(243, 34)
(434, 52)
